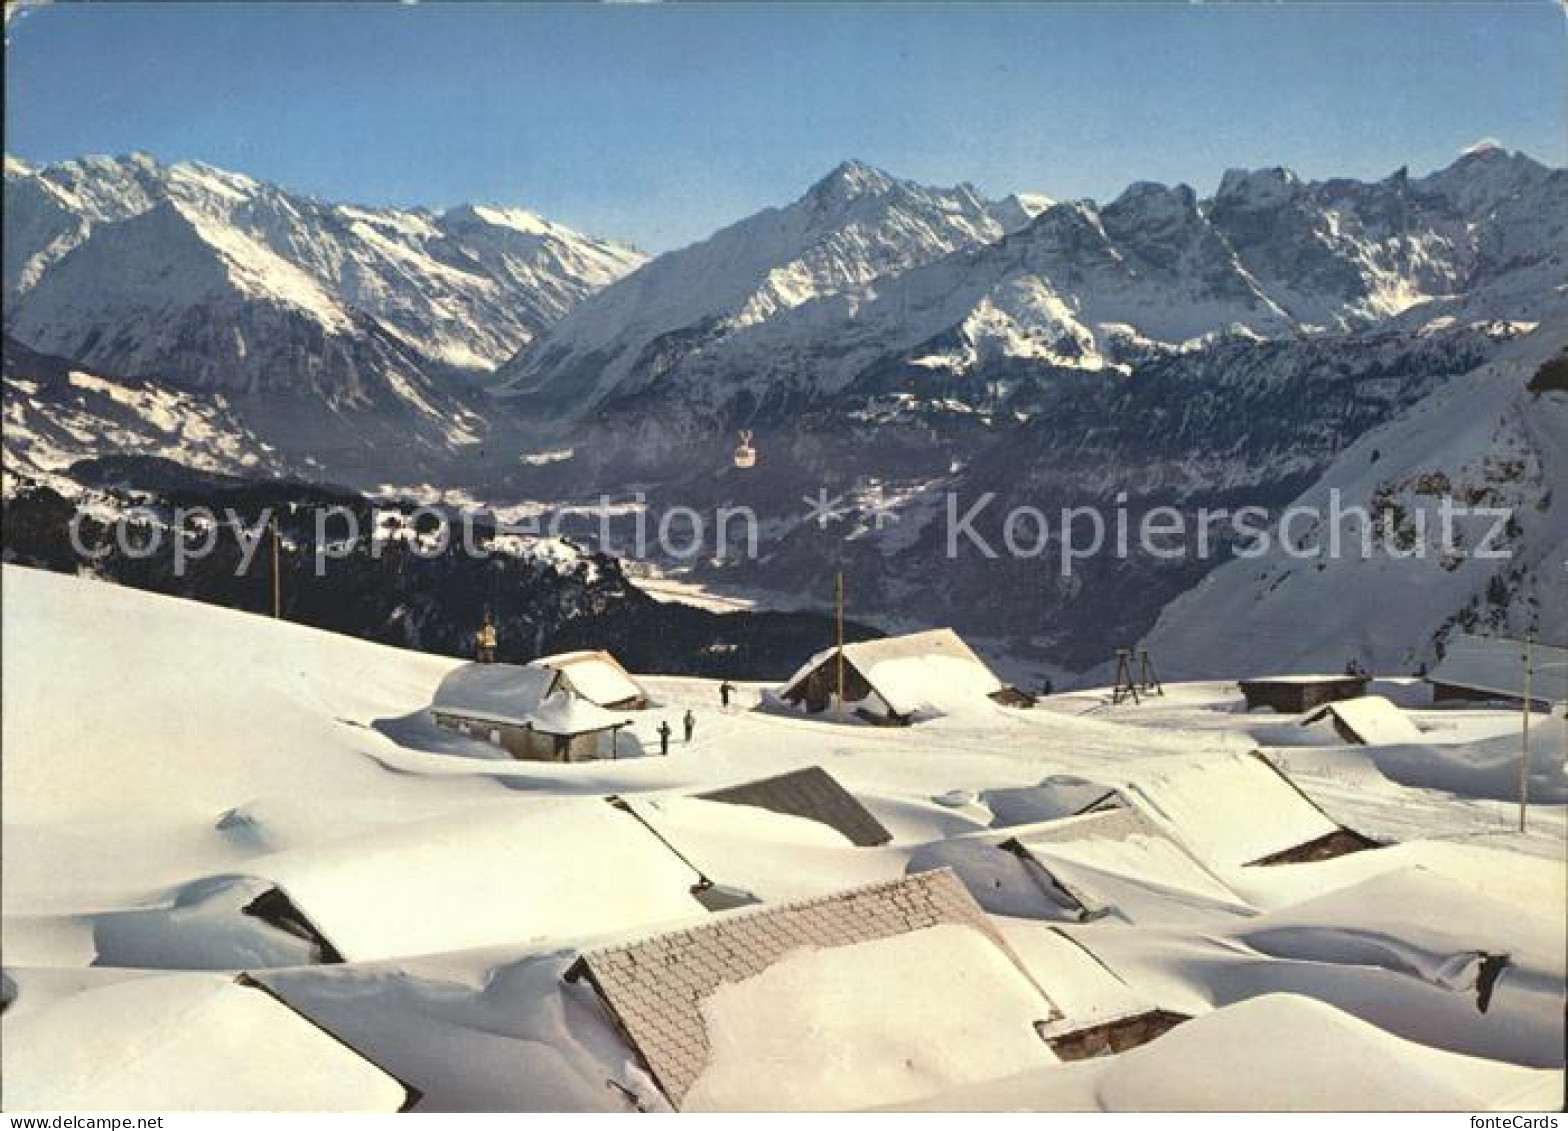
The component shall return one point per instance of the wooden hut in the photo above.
(1488, 669)
(1372, 721)
(527, 712)
(898, 680)
(1294, 694)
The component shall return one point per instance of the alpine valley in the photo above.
(178, 334)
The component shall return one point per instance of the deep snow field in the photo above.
(165, 763)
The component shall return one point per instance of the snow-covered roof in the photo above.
(1229, 809)
(769, 855)
(1056, 797)
(1431, 956)
(676, 995)
(565, 713)
(520, 696)
(596, 676)
(1489, 664)
(931, 672)
(506, 692)
(1079, 983)
(1079, 868)
(1380, 922)
(1119, 860)
(1373, 720)
(522, 873)
(1271, 1052)
(180, 1042)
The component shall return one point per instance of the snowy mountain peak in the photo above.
(1064, 223)
(141, 159)
(1485, 177)
(516, 219)
(1258, 188)
(855, 225)
(1156, 203)
(1017, 210)
(850, 179)
(1483, 146)
(1491, 155)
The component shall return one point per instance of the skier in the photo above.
(1046, 687)
(726, 689)
(691, 724)
(664, 738)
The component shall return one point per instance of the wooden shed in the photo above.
(1294, 694)
(1490, 669)
(898, 680)
(1371, 721)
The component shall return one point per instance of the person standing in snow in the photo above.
(726, 689)
(691, 724)
(664, 738)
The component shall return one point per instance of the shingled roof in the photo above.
(655, 988)
(814, 794)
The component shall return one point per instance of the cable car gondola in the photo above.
(745, 454)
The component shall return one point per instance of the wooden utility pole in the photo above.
(1148, 682)
(838, 632)
(277, 575)
(1524, 751)
(1126, 687)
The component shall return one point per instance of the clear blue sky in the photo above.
(658, 123)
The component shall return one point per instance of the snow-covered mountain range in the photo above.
(884, 339)
(106, 259)
(864, 271)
